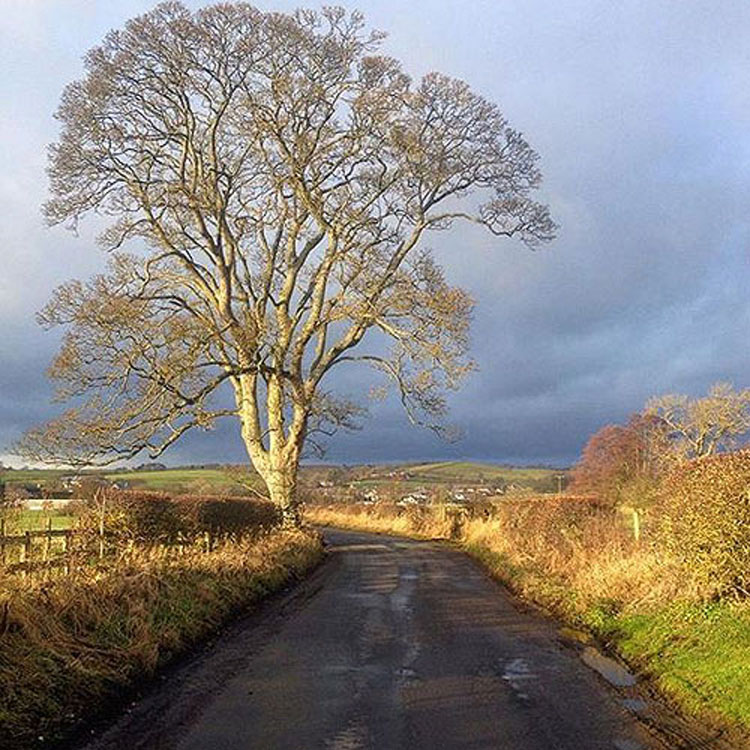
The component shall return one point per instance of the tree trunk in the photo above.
(282, 489)
(277, 462)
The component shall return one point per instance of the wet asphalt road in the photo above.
(390, 644)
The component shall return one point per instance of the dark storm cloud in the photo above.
(641, 112)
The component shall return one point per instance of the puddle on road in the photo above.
(627, 745)
(608, 668)
(518, 669)
(406, 674)
(636, 705)
(353, 737)
(517, 672)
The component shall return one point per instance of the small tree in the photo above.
(703, 426)
(279, 177)
(621, 462)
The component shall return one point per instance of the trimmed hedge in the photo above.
(225, 515)
(156, 517)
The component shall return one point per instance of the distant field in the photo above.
(469, 473)
(34, 520)
(175, 479)
(171, 480)
(31, 475)
(219, 480)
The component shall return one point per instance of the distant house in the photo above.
(414, 498)
(372, 496)
(152, 466)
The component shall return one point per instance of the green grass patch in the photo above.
(34, 520)
(699, 653)
(31, 475)
(469, 470)
(174, 479)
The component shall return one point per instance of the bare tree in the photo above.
(275, 178)
(703, 426)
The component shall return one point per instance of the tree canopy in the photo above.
(273, 177)
(706, 425)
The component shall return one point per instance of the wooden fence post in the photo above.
(66, 551)
(101, 537)
(25, 551)
(47, 540)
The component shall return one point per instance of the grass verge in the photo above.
(69, 645)
(585, 570)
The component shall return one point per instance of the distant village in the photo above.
(56, 493)
(404, 488)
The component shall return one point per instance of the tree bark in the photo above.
(281, 481)
(277, 462)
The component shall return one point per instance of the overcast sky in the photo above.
(641, 114)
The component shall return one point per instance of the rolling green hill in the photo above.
(220, 480)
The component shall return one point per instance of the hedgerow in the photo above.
(156, 517)
(705, 520)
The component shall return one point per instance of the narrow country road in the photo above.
(390, 644)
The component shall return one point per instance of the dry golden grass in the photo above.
(566, 552)
(423, 523)
(69, 644)
(573, 567)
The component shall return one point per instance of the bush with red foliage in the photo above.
(618, 458)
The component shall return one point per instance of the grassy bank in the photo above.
(583, 565)
(71, 644)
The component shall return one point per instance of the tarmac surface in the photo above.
(391, 643)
